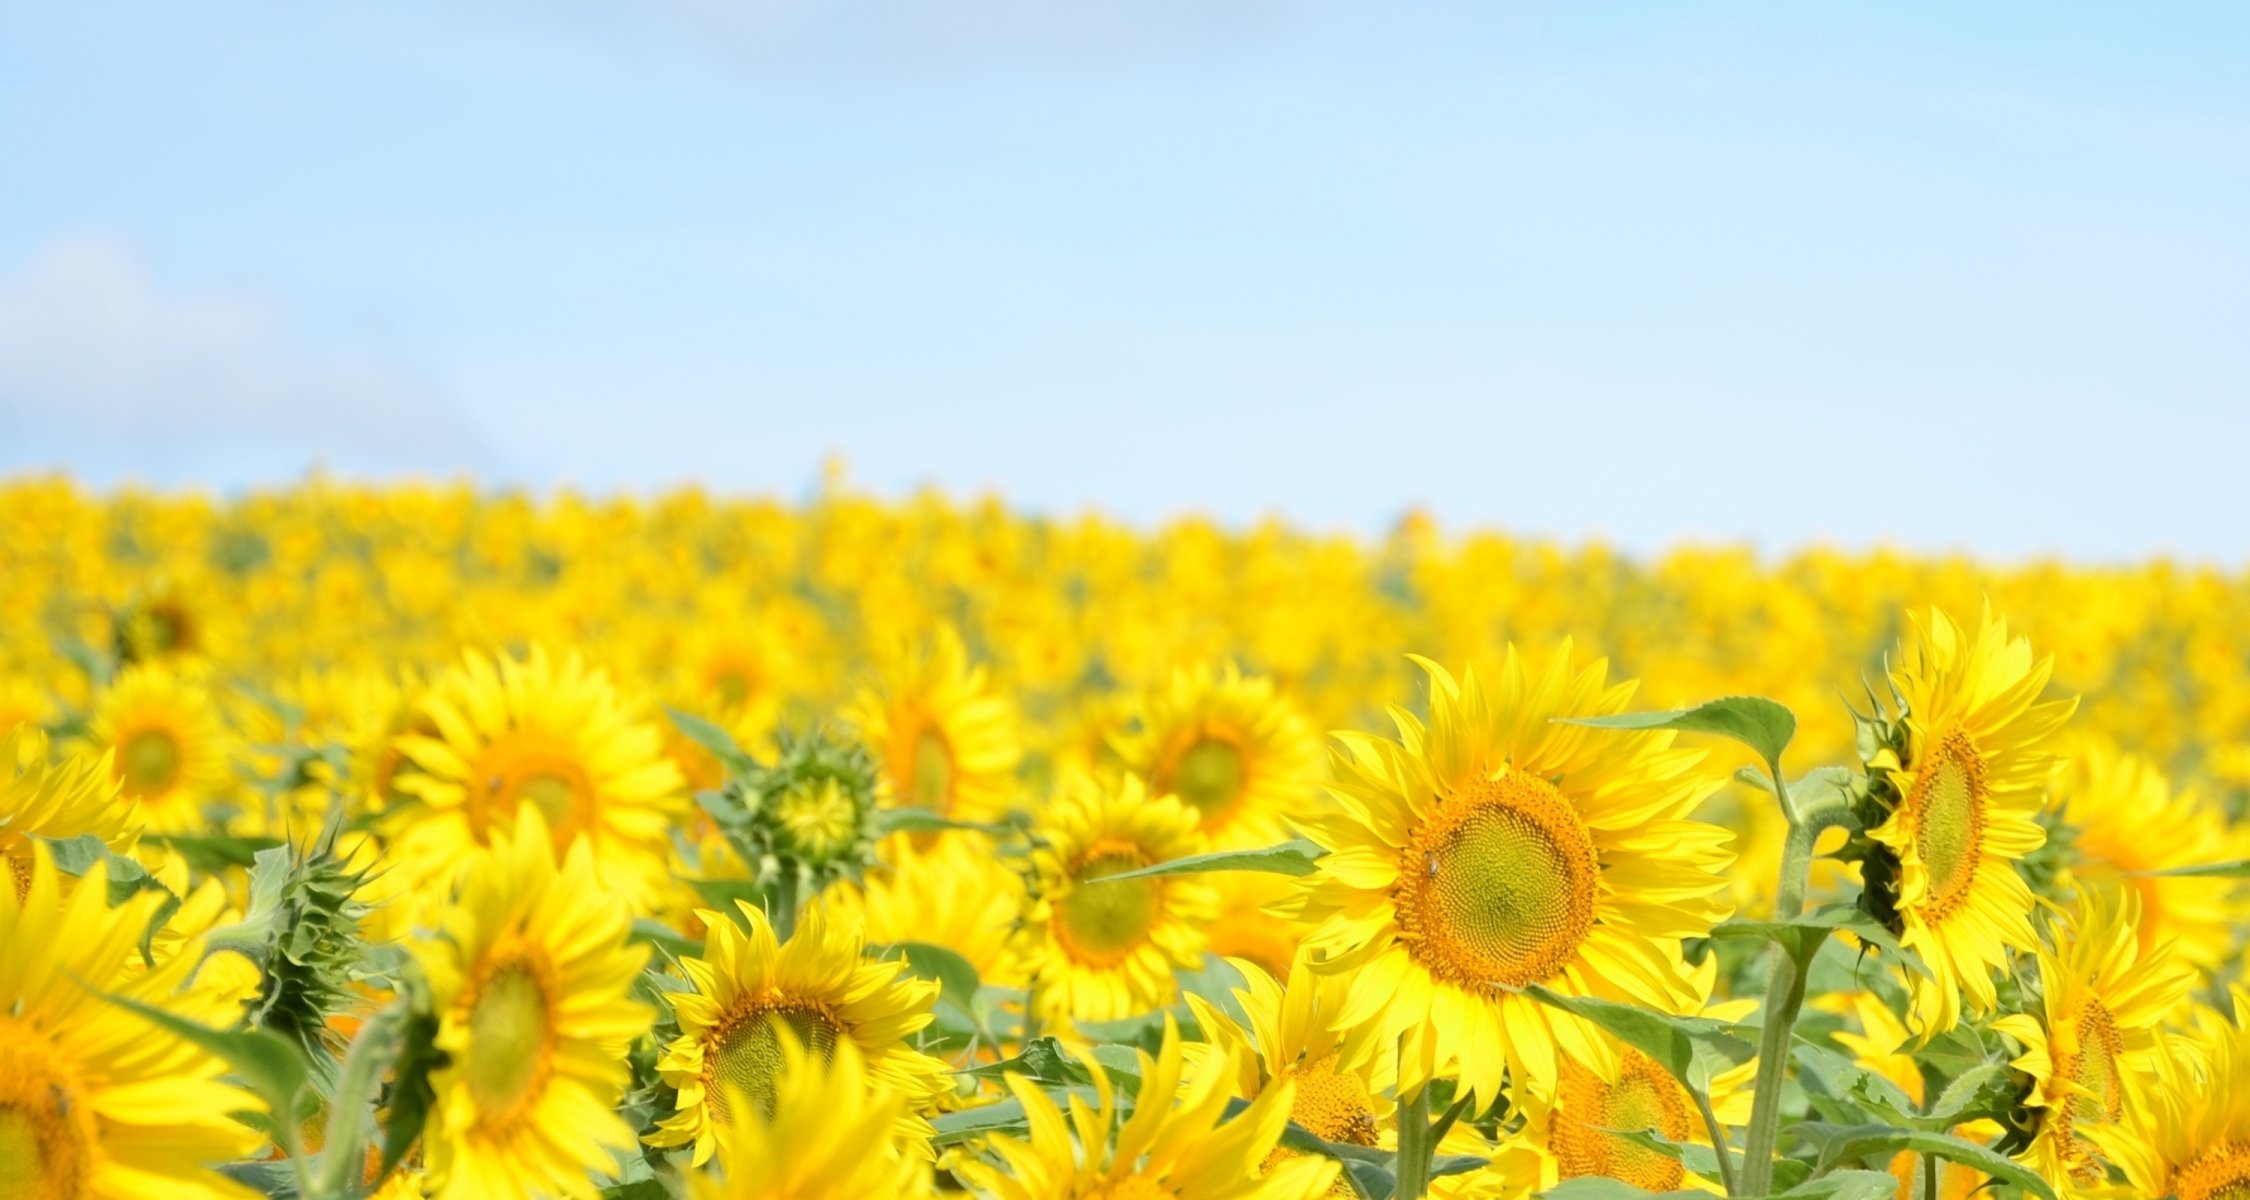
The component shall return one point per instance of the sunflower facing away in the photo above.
(830, 1131)
(2095, 1040)
(96, 1102)
(1494, 848)
(517, 734)
(1183, 1148)
(818, 987)
(946, 739)
(532, 980)
(166, 745)
(1097, 951)
(1239, 754)
(1970, 790)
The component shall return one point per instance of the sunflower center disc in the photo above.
(1497, 886)
(2221, 1174)
(531, 768)
(1948, 804)
(1333, 1105)
(747, 1059)
(933, 771)
(1101, 923)
(1209, 776)
(1585, 1141)
(44, 1138)
(507, 1040)
(151, 760)
(2099, 1046)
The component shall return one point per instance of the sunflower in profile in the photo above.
(166, 745)
(1097, 951)
(95, 1101)
(2194, 1141)
(1232, 748)
(1494, 848)
(64, 800)
(1168, 1147)
(2127, 822)
(532, 733)
(1970, 785)
(532, 978)
(2093, 1045)
(946, 738)
(956, 893)
(751, 988)
(829, 1130)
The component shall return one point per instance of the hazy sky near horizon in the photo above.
(1944, 276)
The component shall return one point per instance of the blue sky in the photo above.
(1782, 273)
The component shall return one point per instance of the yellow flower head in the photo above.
(1494, 848)
(166, 745)
(819, 987)
(946, 739)
(828, 1129)
(2194, 1141)
(1970, 792)
(532, 979)
(1097, 951)
(62, 800)
(955, 893)
(1239, 754)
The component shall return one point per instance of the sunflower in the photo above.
(23, 702)
(1168, 1147)
(62, 800)
(1246, 927)
(2194, 1141)
(1099, 951)
(532, 980)
(819, 987)
(166, 745)
(1882, 1044)
(1233, 749)
(533, 733)
(830, 1132)
(1970, 789)
(1577, 1135)
(2095, 1039)
(947, 741)
(2126, 822)
(956, 893)
(1495, 848)
(95, 1101)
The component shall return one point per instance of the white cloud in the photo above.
(108, 373)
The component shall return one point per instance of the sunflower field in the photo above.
(422, 841)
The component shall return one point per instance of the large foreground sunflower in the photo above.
(1970, 788)
(95, 1102)
(1239, 754)
(171, 753)
(2094, 1042)
(532, 980)
(818, 987)
(1100, 951)
(946, 739)
(831, 1131)
(534, 734)
(1494, 848)
(1168, 1147)
(2127, 824)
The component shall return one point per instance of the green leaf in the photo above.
(2221, 870)
(407, 1102)
(214, 855)
(1985, 1091)
(711, 737)
(722, 893)
(1826, 1073)
(1803, 936)
(1006, 1116)
(956, 976)
(269, 1064)
(1764, 725)
(921, 820)
(1693, 1049)
(1043, 1061)
(1861, 1143)
(666, 938)
(1702, 1160)
(640, 1189)
(1289, 858)
(1844, 1185)
(343, 1160)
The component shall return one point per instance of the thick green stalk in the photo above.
(1930, 1171)
(1415, 1150)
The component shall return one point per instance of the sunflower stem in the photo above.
(1929, 1177)
(1415, 1149)
(783, 916)
(1785, 996)
(1718, 1134)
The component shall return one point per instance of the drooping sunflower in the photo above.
(1494, 848)
(2092, 1048)
(1230, 746)
(535, 733)
(62, 800)
(1099, 951)
(95, 1101)
(2127, 823)
(532, 979)
(1166, 1148)
(1970, 788)
(956, 893)
(817, 986)
(166, 744)
(830, 1131)
(946, 738)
